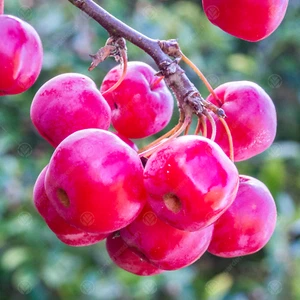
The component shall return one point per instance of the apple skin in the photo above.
(190, 182)
(141, 106)
(67, 103)
(248, 224)
(162, 245)
(65, 232)
(95, 181)
(21, 55)
(128, 260)
(250, 116)
(250, 20)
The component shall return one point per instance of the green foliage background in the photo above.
(35, 265)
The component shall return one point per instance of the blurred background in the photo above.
(35, 265)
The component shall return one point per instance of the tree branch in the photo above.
(188, 97)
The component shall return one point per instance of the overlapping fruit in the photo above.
(161, 209)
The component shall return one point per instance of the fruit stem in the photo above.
(166, 135)
(156, 82)
(201, 124)
(198, 127)
(157, 141)
(213, 125)
(204, 127)
(200, 74)
(150, 151)
(124, 70)
(1, 7)
(230, 141)
(186, 131)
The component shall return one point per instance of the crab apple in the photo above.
(68, 103)
(129, 142)
(21, 55)
(190, 182)
(162, 245)
(250, 20)
(248, 224)
(141, 105)
(95, 181)
(65, 232)
(127, 259)
(81, 239)
(251, 118)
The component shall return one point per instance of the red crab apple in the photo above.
(127, 259)
(95, 181)
(190, 182)
(65, 232)
(251, 118)
(249, 222)
(162, 245)
(251, 20)
(141, 105)
(68, 103)
(129, 142)
(21, 55)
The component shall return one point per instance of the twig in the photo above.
(175, 77)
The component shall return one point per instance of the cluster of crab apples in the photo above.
(159, 209)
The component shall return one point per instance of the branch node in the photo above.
(168, 68)
(215, 109)
(171, 48)
(78, 3)
(114, 46)
(194, 100)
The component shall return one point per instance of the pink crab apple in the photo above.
(251, 20)
(249, 222)
(21, 55)
(141, 105)
(95, 181)
(190, 182)
(162, 245)
(67, 103)
(125, 258)
(129, 142)
(251, 118)
(65, 232)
